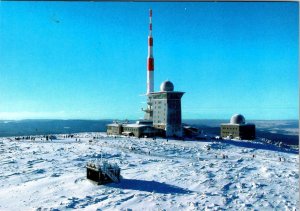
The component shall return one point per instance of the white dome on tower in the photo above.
(237, 119)
(166, 86)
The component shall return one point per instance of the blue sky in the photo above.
(87, 60)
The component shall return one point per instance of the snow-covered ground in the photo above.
(157, 174)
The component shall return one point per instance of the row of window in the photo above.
(159, 102)
(229, 128)
(113, 128)
(130, 129)
(159, 107)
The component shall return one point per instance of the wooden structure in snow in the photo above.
(103, 173)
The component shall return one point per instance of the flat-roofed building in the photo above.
(138, 130)
(142, 128)
(238, 128)
(114, 129)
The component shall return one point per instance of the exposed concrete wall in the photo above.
(167, 112)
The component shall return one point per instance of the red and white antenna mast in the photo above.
(150, 59)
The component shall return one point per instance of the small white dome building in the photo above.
(167, 86)
(237, 119)
(238, 129)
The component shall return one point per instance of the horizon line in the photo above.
(115, 119)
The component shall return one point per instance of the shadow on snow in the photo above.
(149, 186)
(252, 145)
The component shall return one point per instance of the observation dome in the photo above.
(166, 86)
(237, 119)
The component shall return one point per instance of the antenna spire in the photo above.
(150, 58)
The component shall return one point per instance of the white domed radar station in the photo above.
(237, 128)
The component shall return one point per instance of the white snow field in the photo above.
(175, 175)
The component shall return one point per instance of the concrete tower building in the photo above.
(163, 112)
(166, 106)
